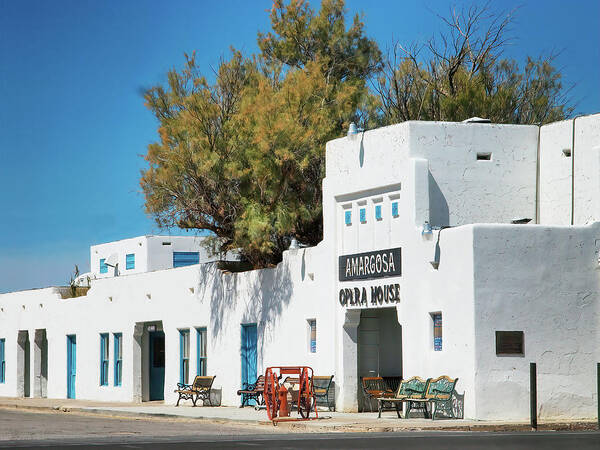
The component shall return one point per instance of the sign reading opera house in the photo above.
(367, 266)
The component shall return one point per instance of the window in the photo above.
(118, 338)
(104, 359)
(130, 261)
(103, 266)
(312, 335)
(378, 212)
(182, 259)
(201, 350)
(363, 215)
(484, 156)
(394, 209)
(184, 360)
(437, 331)
(348, 217)
(509, 343)
(2, 362)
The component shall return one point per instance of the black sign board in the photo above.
(369, 265)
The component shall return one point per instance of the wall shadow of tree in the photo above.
(264, 294)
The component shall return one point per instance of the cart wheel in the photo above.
(270, 395)
(306, 401)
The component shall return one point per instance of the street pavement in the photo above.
(59, 430)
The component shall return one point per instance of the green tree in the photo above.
(244, 157)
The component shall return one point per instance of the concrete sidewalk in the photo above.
(327, 422)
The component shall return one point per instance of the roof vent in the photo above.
(477, 120)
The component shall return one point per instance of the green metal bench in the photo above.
(410, 390)
(321, 386)
(439, 394)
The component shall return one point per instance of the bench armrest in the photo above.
(184, 386)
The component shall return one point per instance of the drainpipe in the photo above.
(537, 177)
(573, 172)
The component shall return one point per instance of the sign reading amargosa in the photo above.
(369, 265)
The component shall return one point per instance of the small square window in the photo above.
(363, 215)
(348, 217)
(510, 343)
(395, 209)
(378, 212)
(130, 261)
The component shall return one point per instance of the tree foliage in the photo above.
(242, 156)
(460, 74)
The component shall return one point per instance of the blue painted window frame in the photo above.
(363, 215)
(2, 361)
(348, 217)
(182, 259)
(118, 358)
(312, 329)
(201, 351)
(378, 212)
(104, 357)
(130, 261)
(103, 266)
(184, 356)
(437, 329)
(394, 209)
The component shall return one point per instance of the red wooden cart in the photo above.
(275, 395)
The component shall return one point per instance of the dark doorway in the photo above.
(157, 365)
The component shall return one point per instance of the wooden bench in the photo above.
(408, 390)
(321, 385)
(199, 390)
(374, 388)
(253, 391)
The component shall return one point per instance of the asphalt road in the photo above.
(63, 430)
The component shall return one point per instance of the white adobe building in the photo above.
(418, 235)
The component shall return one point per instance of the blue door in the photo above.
(71, 364)
(249, 353)
(157, 365)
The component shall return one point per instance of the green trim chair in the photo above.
(411, 391)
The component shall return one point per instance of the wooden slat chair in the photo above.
(198, 390)
(409, 390)
(439, 395)
(374, 388)
(321, 385)
(253, 391)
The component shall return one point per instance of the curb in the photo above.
(314, 427)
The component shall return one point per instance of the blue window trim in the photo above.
(348, 217)
(363, 215)
(378, 212)
(2, 361)
(183, 335)
(130, 261)
(394, 209)
(182, 259)
(313, 342)
(437, 324)
(103, 266)
(103, 361)
(118, 347)
(201, 361)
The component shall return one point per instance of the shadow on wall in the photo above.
(439, 214)
(265, 293)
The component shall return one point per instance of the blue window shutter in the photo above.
(182, 259)
(130, 261)
(118, 360)
(378, 212)
(363, 215)
(348, 217)
(181, 380)
(395, 209)
(103, 359)
(201, 351)
(103, 266)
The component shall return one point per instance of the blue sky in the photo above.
(73, 124)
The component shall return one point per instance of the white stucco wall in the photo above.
(545, 282)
